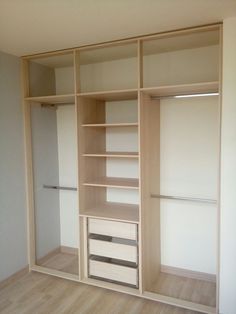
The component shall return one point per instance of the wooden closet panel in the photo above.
(150, 174)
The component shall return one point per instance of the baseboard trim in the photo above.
(69, 250)
(188, 273)
(19, 274)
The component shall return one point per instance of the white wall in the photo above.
(122, 139)
(228, 172)
(13, 238)
(67, 155)
(189, 168)
(117, 74)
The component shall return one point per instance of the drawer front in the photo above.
(113, 228)
(117, 273)
(113, 250)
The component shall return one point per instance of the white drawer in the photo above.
(113, 228)
(113, 250)
(113, 272)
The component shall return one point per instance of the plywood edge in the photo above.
(16, 276)
(188, 273)
(111, 95)
(180, 303)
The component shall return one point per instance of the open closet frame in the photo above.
(138, 215)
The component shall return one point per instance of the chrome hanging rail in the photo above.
(186, 95)
(181, 198)
(57, 187)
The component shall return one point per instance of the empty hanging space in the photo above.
(54, 157)
(187, 58)
(51, 78)
(179, 196)
(107, 68)
(108, 127)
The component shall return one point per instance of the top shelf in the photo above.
(180, 89)
(168, 90)
(53, 99)
(125, 94)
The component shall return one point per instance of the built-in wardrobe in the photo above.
(122, 159)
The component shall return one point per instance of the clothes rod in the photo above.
(54, 105)
(186, 95)
(188, 199)
(56, 187)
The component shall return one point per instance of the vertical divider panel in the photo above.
(77, 71)
(219, 171)
(28, 164)
(80, 185)
(76, 78)
(150, 183)
(29, 185)
(140, 64)
(140, 148)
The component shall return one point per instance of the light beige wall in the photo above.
(181, 66)
(228, 172)
(13, 235)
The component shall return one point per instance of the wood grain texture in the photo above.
(64, 262)
(113, 211)
(150, 174)
(40, 293)
(193, 290)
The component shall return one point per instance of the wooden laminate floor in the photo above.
(194, 290)
(37, 293)
(62, 261)
(198, 291)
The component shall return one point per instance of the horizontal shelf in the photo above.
(122, 183)
(110, 125)
(170, 90)
(125, 94)
(113, 154)
(53, 99)
(114, 211)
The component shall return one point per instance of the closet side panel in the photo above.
(150, 183)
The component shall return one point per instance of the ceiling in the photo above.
(32, 26)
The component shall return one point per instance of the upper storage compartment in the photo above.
(109, 68)
(181, 58)
(51, 75)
